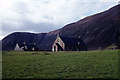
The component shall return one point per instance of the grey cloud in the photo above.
(21, 8)
(40, 27)
(29, 26)
(48, 17)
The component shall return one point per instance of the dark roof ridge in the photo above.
(70, 40)
(68, 37)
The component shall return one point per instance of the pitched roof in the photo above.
(21, 45)
(29, 46)
(70, 40)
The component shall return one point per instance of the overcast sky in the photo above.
(46, 15)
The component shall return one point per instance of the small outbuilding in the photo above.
(26, 47)
(17, 48)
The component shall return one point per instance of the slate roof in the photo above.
(70, 40)
(27, 45)
(21, 45)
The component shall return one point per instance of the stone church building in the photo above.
(68, 44)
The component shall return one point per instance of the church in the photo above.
(68, 44)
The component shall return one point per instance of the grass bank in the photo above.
(60, 65)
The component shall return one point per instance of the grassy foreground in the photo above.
(60, 65)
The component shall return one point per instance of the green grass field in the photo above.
(60, 65)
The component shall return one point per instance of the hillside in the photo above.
(97, 31)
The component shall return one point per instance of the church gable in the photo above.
(58, 44)
(68, 44)
(59, 41)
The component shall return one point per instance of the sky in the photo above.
(40, 16)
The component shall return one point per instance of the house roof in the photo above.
(70, 40)
(21, 45)
(27, 45)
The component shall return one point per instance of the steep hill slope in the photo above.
(100, 30)
(97, 31)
